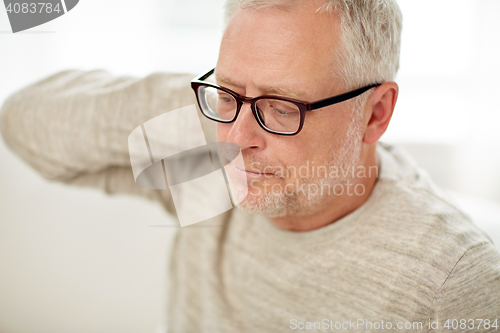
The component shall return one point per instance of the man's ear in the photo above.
(380, 107)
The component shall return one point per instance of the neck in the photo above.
(354, 195)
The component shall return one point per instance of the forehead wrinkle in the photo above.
(223, 79)
(292, 93)
(285, 92)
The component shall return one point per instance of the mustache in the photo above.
(248, 163)
(229, 153)
(262, 168)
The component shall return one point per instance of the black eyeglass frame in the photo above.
(303, 106)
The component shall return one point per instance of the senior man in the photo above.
(298, 84)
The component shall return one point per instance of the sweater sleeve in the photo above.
(73, 126)
(471, 292)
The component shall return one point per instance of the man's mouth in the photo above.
(255, 174)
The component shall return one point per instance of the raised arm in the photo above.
(73, 126)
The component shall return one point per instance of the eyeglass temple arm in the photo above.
(342, 98)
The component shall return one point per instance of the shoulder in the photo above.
(472, 288)
(450, 256)
(405, 194)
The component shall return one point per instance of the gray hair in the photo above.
(371, 36)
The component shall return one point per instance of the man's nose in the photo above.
(245, 130)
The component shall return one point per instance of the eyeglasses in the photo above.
(275, 114)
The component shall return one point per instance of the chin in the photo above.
(273, 205)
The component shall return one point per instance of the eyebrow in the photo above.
(295, 94)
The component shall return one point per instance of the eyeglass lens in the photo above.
(276, 115)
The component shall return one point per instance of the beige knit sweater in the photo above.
(406, 256)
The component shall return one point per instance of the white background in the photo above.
(74, 260)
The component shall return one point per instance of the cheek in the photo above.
(327, 126)
(295, 151)
(321, 138)
(318, 133)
